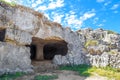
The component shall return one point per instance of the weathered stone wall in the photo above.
(105, 59)
(14, 58)
(102, 47)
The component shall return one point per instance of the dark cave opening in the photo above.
(2, 34)
(33, 51)
(52, 49)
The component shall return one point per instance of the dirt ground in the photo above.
(63, 75)
(46, 68)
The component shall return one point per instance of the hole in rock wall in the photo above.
(33, 51)
(2, 34)
(46, 49)
(54, 48)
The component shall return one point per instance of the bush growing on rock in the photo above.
(111, 32)
(12, 3)
(114, 51)
(91, 43)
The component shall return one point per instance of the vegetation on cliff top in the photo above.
(12, 3)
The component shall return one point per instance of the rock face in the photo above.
(14, 58)
(27, 35)
(102, 47)
(18, 36)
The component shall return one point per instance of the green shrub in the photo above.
(91, 43)
(11, 76)
(81, 69)
(86, 70)
(13, 3)
(110, 32)
(45, 77)
(113, 52)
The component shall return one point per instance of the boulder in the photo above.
(14, 58)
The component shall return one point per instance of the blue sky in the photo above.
(78, 14)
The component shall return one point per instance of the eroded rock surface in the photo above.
(102, 47)
(14, 58)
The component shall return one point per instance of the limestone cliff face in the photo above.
(14, 58)
(103, 47)
(24, 27)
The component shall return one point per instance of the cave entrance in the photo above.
(33, 51)
(2, 34)
(46, 49)
(54, 48)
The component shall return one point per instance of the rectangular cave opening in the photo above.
(45, 50)
(54, 48)
(2, 34)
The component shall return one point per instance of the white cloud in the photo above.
(99, 1)
(57, 17)
(115, 6)
(100, 25)
(107, 3)
(71, 19)
(41, 8)
(36, 3)
(74, 22)
(115, 12)
(86, 16)
(103, 20)
(95, 20)
(51, 5)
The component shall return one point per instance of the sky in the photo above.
(79, 14)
